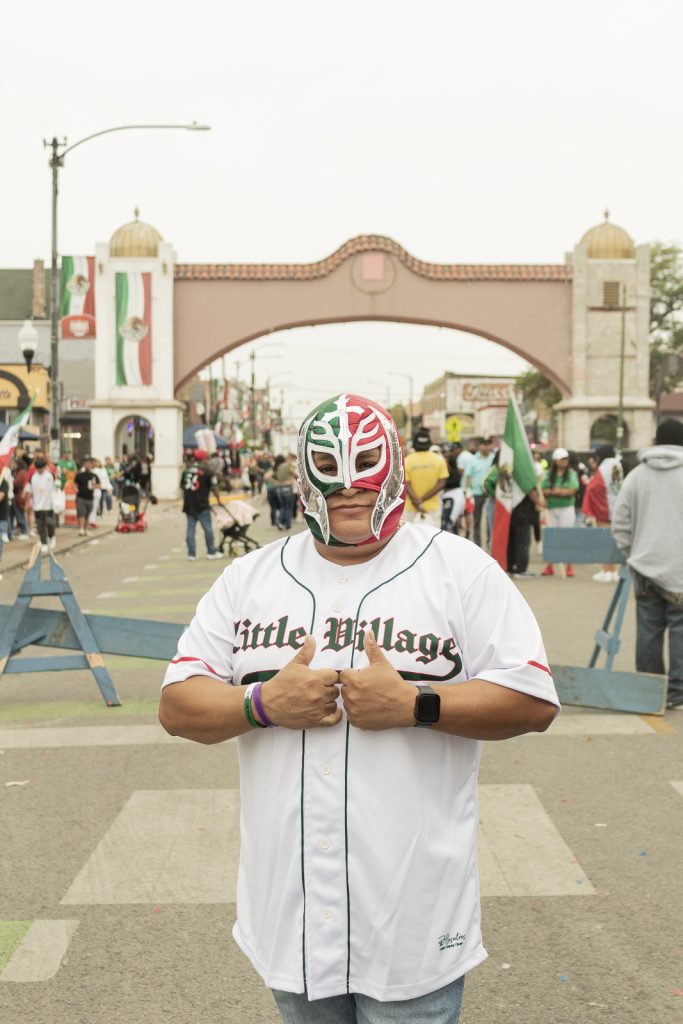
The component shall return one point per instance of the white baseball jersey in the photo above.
(358, 865)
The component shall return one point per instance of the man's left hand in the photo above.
(376, 697)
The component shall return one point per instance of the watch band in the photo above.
(435, 706)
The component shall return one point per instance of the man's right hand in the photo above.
(300, 697)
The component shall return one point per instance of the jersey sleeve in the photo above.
(504, 643)
(206, 646)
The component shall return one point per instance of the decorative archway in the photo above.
(525, 308)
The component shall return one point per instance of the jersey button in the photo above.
(341, 579)
(326, 769)
(337, 606)
(324, 844)
(326, 914)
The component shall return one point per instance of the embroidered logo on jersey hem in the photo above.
(449, 941)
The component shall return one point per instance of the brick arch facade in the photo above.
(525, 308)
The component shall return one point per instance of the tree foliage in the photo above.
(666, 317)
(536, 389)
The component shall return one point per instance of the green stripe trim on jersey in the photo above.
(346, 765)
(303, 759)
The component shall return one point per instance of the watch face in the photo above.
(427, 708)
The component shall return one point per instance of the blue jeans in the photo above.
(284, 497)
(204, 517)
(440, 1007)
(3, 529)
(654, 615)
(18, 516)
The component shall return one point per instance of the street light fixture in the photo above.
(28, 340)
(59, 150)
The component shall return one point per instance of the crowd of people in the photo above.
(32, 492)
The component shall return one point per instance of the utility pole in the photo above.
(56, 161)
(620, 421)
(252, 411)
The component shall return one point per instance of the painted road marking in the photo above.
(145, 612)
(166, 846)
(130, 579)
(678, 786)
(85, 736)
(61, 709)
(598, 725)
(164, 558)
(105, 594)
(521, 853)
(151, 567)
(41, 951)
(658, 724)
(182, 846)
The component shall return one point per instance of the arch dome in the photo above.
(135, 239)
(608, 241)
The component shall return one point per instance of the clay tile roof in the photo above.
(371, 243)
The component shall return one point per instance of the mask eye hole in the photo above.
(326, 465)
(367, 459)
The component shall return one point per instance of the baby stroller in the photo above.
(131, 515)
(233, 520)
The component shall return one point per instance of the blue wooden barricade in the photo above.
(19, 630)
(596, 687)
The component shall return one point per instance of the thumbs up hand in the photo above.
(300, 697)
(376, 697)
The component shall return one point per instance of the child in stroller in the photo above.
(233, 519)
(131, 515)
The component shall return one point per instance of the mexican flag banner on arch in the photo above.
(133, 329)
(10, 438)
(77, 297)
(517, 477)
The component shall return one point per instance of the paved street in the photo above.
(119, 843)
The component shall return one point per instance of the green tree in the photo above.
(666, 326)
(536, 389)
(399, 414)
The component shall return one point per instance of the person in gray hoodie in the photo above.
(647, 526)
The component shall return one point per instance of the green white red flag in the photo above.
(133, 329)
(10, 438)
(517, 477)
(77, 296)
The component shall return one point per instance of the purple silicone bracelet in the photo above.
(256, 698)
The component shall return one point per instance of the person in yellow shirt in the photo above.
(426, 475)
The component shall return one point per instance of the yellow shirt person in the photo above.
(426, 475)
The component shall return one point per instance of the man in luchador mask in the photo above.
(360, 664)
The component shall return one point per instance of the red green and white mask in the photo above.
(347, 427)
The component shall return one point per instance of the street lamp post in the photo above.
(28, 341)
(59, 150)
(408, 377)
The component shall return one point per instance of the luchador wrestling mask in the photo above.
(346, 428)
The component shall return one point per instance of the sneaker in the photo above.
(5, 538)
(215, 554)
(602, 577)
(24, 536)
(52, 543)
(614, 576)
(570, 571)
(192, 558)
(548, 571)
(524, 575)
(44, 549)
(81, 533)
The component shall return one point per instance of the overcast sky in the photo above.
(492, 132)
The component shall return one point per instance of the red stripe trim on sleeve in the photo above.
(176, 661)
(543, 668)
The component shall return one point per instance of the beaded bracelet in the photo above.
(258, 704)
(247, 708)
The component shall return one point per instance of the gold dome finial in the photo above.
(135, 239)
(136, 213)
(607, 241)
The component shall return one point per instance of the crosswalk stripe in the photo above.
(85, 736)
(41, 951)
(678, 786)
(521, 853)
(598, 725)
(166, 846)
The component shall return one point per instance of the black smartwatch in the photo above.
(427, 707)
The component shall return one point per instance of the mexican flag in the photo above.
(133, 329)
(77, 296)
(11, 436)
(517, 477)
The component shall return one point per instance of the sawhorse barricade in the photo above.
(22, 626)
(595, 687)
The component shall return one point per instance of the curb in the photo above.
(6, 569)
